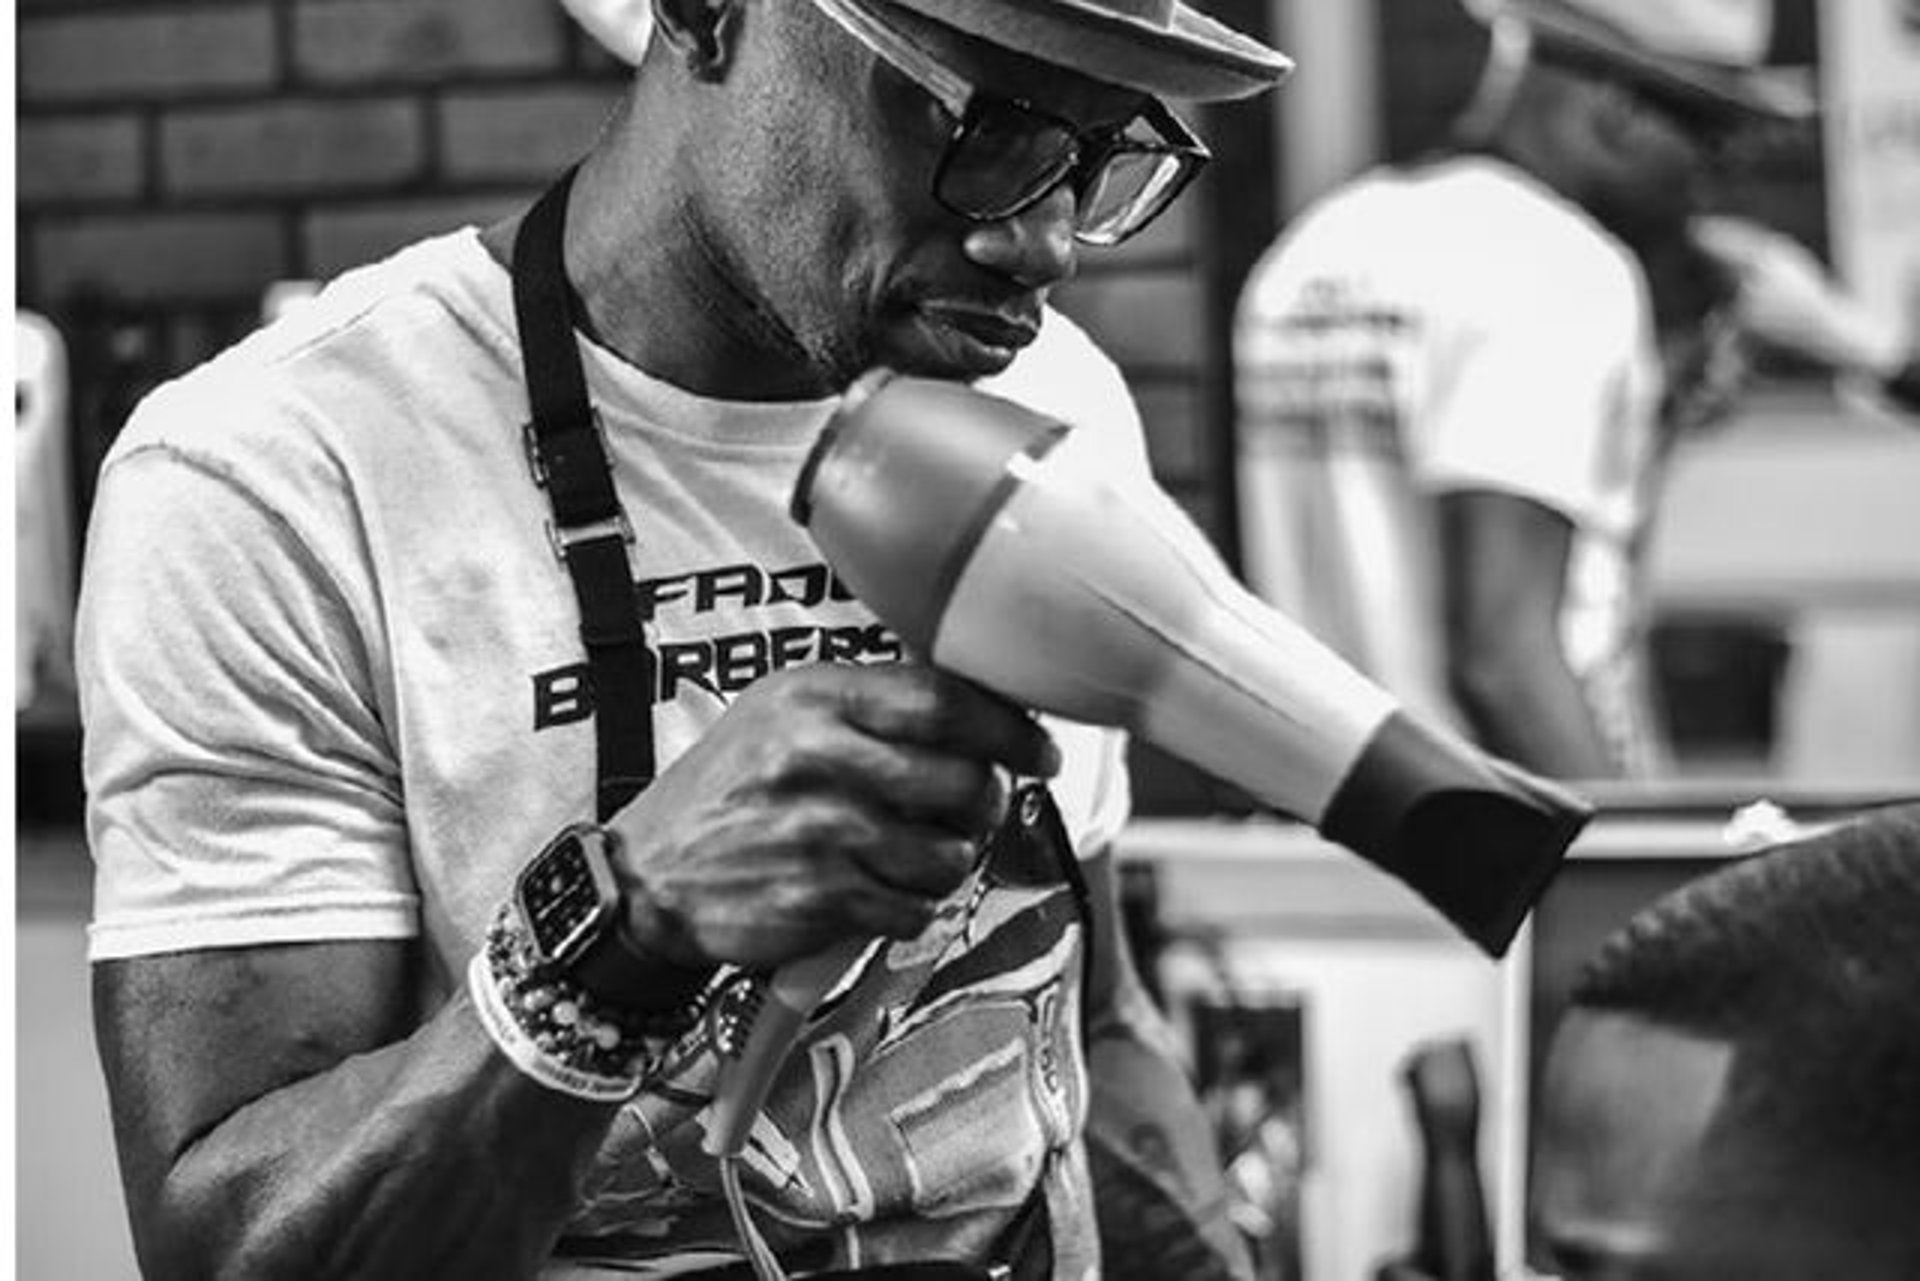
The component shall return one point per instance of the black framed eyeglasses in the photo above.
(1006, 155)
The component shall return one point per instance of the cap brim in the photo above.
(1195, 58)
(1763, 93)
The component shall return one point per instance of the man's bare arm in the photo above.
(272, 1121)
(1158, 1186)
(1505, 561)
(279, 1115)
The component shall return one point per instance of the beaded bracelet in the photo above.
(553, 1031)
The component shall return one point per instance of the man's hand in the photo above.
(828, 802)
(1788, 299)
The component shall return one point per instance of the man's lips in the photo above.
(986, 326)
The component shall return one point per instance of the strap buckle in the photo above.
(537, 462)
(565, 540)
(530, 441)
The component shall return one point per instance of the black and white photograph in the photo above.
(966, 640)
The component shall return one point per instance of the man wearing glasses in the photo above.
(465, 714)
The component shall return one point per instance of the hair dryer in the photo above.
(998, 545)
(778, 1006)
(1002, 546)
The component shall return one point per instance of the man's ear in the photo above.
(700, 33)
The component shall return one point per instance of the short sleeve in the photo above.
(1529, 398)
(241, 787)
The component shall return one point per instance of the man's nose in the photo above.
(1035, 246)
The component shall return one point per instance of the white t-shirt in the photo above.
(1444, 327)
(330, 665)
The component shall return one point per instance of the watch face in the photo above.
(564, 895)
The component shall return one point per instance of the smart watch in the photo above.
(574, 913)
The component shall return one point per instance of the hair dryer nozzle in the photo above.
(1476, 837)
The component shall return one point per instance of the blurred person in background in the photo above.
(1734, 1089)
(385, 984)
(1784, 299)
(1459, 379)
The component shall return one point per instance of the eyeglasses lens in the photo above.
(1126, 193)
(1003, 159)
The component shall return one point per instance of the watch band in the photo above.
(624, 971)
(575, 914)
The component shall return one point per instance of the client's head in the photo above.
(1735, 1089)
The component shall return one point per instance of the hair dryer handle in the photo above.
(786, 998)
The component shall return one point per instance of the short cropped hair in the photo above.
(1805, 959)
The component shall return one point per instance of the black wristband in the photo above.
(623, 971)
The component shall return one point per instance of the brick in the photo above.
(1152, 320)
(282, 147)
(527, 134)
(156, 53)
(78, 158)
(363, 41)
(149, 257)
(333, 240)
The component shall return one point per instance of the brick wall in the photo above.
(176, 156)
(186, 154)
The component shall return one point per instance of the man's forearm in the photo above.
(1529, 709)
(429, 1157)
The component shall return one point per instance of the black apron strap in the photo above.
(589, 532)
